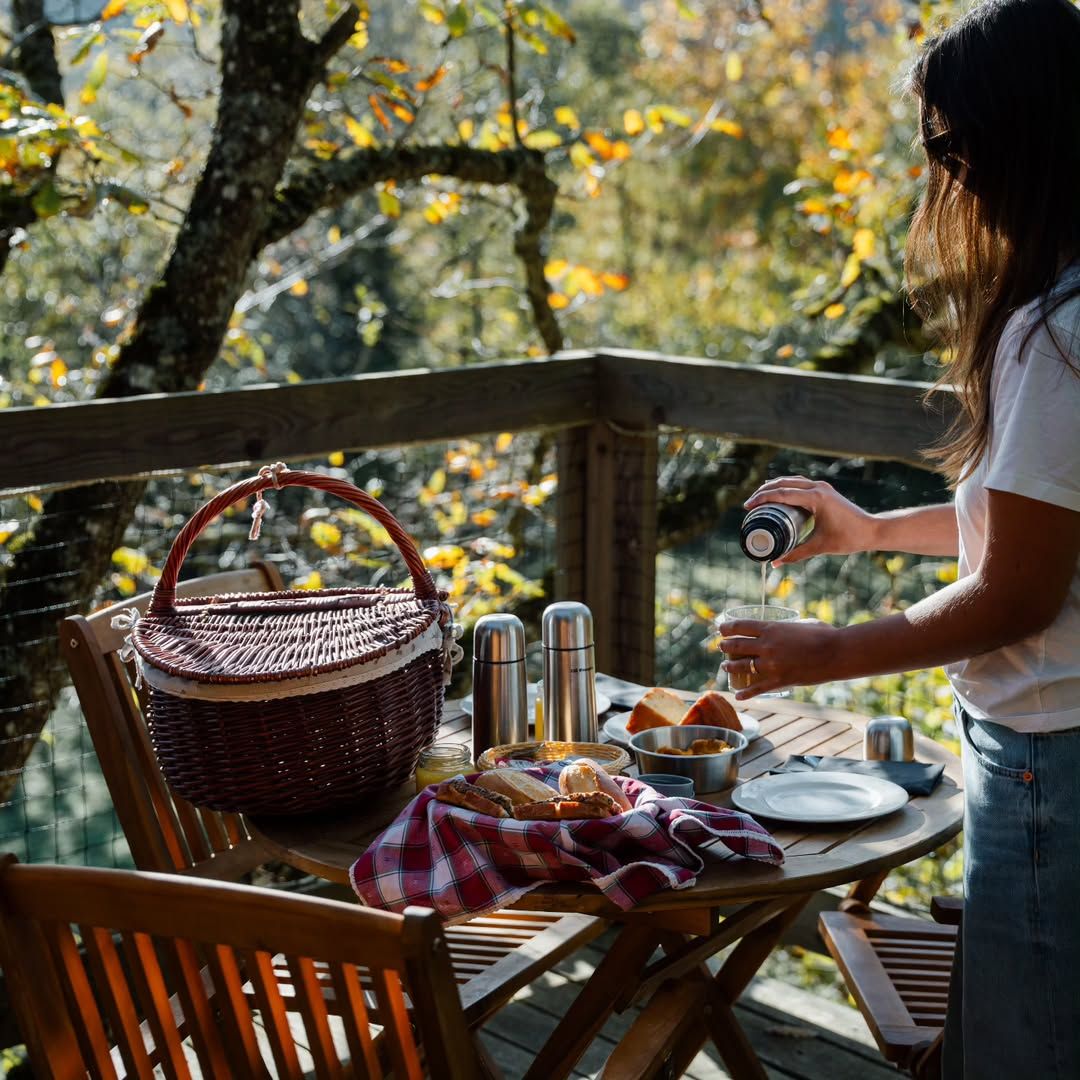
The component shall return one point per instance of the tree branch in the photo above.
(332, 183)
(35, 51)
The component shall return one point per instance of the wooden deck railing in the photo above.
(607, 408)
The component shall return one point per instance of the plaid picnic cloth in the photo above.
(464, 864)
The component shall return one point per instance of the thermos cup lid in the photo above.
(567, 625)
(499, 639)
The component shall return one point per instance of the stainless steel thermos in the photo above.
(500, 711)
(773, 529)
(569, 673)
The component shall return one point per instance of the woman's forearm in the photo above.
(957, 622)
(920, 530)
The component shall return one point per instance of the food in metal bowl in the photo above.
(712, 770)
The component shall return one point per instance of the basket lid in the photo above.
(269, 637)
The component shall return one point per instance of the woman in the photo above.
(992, 262)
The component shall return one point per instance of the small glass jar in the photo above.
(441, 762)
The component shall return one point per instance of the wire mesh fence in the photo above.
(483, 512)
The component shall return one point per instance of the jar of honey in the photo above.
(441, 762)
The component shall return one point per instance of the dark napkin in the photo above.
(914, 777)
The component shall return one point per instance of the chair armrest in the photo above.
(948, 910)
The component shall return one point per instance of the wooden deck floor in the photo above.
(796, 1033)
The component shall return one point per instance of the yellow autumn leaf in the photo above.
(35, 503)
(299, 288)
(558, 300)
(445, 557)
(823, 610)
(337, 459)
(863, 243)
(840, 139)
(948, 574)
(784, 589)
(433, 80)
(633, 122)
(178, 10)
(834, 311)
(543, 140)
(503, 442)
(125, 584)
(7, 530)
(326, 535)
(312, 581)
(852, 269)
(483, 518)
(702, 610)
(581, 157)
(567, 117)
(733, 67)
(556, 268)
(814, 206)
(616, 282)
(437, 483)
(359, 134)
(894, 565)
(465, 130)
(389, 204)
(728, 127)
(58, 373)
(785, 352)
(131, 560)
(112, 9)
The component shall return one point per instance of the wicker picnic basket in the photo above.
(293, 702)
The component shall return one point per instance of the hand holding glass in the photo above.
(742, 680)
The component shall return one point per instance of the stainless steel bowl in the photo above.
(710, 772)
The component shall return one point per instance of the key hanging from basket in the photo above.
(292, 702)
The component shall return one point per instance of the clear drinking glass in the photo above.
(768, 613)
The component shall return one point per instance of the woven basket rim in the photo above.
(158, 637)
(613, 759)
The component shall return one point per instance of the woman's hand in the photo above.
(782, 654)
(840, 527)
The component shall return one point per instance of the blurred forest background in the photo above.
(431, 184)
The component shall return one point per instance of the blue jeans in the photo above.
(1014, 1002)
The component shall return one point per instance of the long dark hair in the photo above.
(999, 106)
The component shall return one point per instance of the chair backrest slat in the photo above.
(259, 968)
(108, 973)
(395, 1020)
(312, 1006)
(196, 1006)
(150, 988)
(234, 1012)
(164, 831)
(74, 985)
(354, 1013)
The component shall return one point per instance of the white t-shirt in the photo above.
(1033, 450)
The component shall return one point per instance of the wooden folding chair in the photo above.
(898, 971)
(492, 957)
(89, 954)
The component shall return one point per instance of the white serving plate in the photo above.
(614, 728)
(820, 798)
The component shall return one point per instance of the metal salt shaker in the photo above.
(888, 738)
(569, 673)
(500, 711)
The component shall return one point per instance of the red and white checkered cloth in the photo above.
(463, 864)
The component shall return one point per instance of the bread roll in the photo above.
(518, 787)
(459, 792)
(713, 710)
(585, 776)
(658, 708)
(593, 804)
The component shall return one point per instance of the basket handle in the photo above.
(164, 597)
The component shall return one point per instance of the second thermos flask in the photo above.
(569, 673)
(500, 710)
